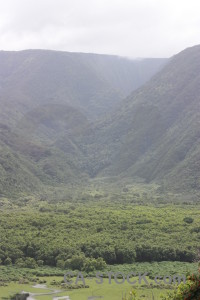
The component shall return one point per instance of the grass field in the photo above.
(14, 278)
(108, 291)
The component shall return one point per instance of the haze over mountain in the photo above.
(152, 135)
(92, 83)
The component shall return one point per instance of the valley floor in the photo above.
(29, 282)
(132, 228)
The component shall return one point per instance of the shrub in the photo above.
(8, 261)
(19, 297)
(60, 264)
(188, 220)
(94, 264)
(40, 263)
(76, 262)
(30, 263)
(20, 263)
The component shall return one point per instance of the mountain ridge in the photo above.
(89, 82)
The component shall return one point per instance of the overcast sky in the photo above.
(133, 28)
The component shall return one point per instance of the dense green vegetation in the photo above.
(76, 233)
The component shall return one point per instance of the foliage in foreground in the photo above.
(188, 291)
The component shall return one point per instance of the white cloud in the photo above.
(137, 28)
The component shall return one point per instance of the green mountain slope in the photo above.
(29, 161)
(155, 133)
